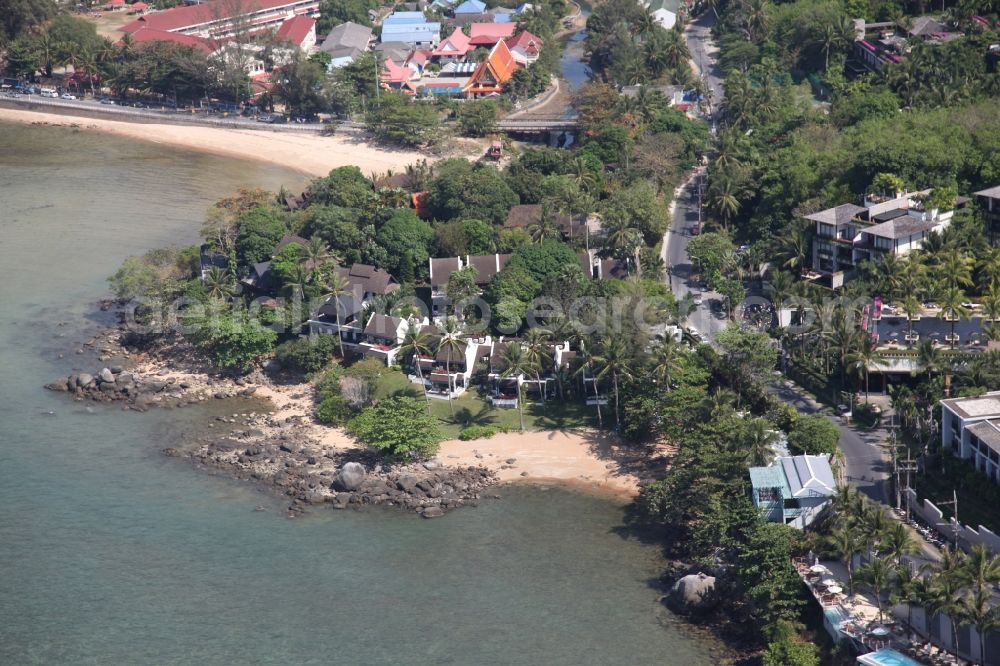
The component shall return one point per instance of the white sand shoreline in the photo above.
(585, 459)
(304, 152)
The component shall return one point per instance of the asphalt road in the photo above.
(865, 466)
(708, 319)
(703, 54)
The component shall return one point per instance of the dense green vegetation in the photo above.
(627, 46)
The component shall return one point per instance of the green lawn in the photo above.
(473, 409)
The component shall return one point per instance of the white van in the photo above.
(49, 92)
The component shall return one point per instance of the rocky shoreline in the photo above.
(281, 455)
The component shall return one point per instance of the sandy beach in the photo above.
(308, 153)
(585, 459)
(582, 458)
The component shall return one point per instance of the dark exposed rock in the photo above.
(350, 477)
(58, 385)
(693, 593)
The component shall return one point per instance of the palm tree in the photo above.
(981, 569)
(315, 252)
(538, 353)
(911, 308)
(844, 502)
(991, 304)
(336, 287)
(846, 542)
(795, 249)
(947, 598)
(781, 286)
(758, 439)
(829, 37)
(955, 268)
(953, 309)
(514, 363)
(898, 541)
(546, 227)
(450, 343)
(865, 355)
(300, 279)
(724, 197)
(582, 174)
(905, 590)
(989, 265)
(218, 284)
(929, 358)
(977, 609)
(588, 368)
(666, 360)
(614, 360)
(417, 343)
(879, 575)
(622, 238)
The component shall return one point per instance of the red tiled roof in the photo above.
(296, 29)
(458, 41)
(139, 6)
(494, 72)
(395, 73)
(116, 3)
(419, 56)
(150, 35)
(192, 15)
(526, 41)
(488, 34)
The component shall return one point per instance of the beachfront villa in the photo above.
(970, 428)
(793, 490)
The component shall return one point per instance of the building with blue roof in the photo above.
(793, 490)
(471, 7)
(503, 18)
(411, 28)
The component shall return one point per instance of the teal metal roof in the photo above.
(770, 477)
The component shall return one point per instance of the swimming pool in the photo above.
(887, 657)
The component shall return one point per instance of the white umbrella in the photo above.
(818, 568)
(880, 631)
(835, 589)
(827, 582)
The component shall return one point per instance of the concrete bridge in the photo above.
(538, 124)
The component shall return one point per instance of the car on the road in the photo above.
(107, 100)
(698, 299)
(694, 230)
(68, 96)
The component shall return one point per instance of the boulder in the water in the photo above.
(350, 477)
(693, 593)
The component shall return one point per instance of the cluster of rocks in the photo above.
(115, 383)
(311, 474)
(112, 383)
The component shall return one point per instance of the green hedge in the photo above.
(478, 432)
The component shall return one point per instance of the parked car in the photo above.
(107, 100)
(698, 299)
(68, 96)
(694, 229)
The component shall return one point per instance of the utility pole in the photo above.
(953, 503)
(909, 466)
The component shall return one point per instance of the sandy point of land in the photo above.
(306, 152)
(582, 458)
(585, 459)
